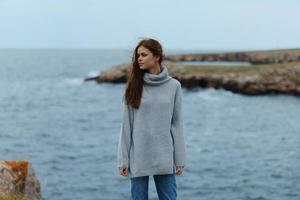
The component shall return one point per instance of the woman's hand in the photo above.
(123, 171)
(179, 170)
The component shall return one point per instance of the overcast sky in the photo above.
(178, 24)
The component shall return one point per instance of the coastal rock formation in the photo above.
(18, 179)
(277, 73)
(250, 80)
(261, 79)
(115, 74)
(253, 57)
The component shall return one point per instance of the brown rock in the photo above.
(18, 178)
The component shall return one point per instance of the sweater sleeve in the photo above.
(177, 130)
(125, 136)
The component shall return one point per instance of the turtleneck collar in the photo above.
(157, 79)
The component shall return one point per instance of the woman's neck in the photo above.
(155, 70)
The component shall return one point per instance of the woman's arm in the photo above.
(125, 136)
(177, 129)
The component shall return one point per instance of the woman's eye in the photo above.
(143, 55)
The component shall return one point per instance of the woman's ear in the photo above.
(157, 58)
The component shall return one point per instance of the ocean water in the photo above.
(238, 147)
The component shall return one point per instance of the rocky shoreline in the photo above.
(271, 72)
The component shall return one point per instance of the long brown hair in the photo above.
(134, 85)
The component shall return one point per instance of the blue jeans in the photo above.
(165, 187)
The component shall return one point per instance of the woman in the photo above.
(151, 140)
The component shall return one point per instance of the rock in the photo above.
(279, 76)
(116, 74)
(254, 57)
(91, 78)
(18, 178)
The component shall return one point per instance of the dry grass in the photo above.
(208, 69)
(13, 197)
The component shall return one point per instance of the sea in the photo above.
(238, 147)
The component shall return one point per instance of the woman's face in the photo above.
(145, 58)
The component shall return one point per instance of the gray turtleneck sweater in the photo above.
(151, 139)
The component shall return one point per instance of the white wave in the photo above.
(209, 94)
(74, 81)
(93, 74)
(212, 94)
